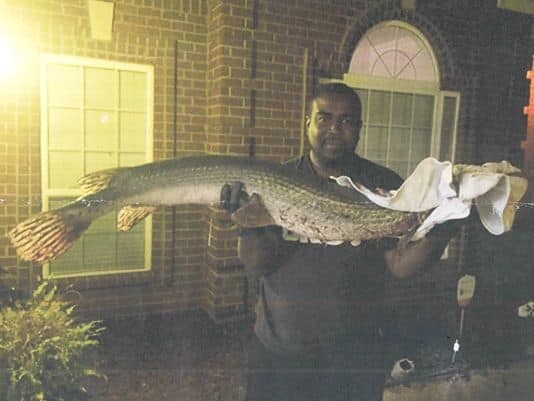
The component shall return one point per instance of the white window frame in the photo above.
(440, 101)
(407, 27)
(47, 193)
(421, 88)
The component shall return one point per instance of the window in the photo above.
(394, 50)
(406, 117)
(95, 114)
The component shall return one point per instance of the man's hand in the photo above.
(258, 246)
(421, 254)
(247, 211)
(233, 196)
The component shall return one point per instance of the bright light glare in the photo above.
(7, 59)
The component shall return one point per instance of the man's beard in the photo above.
(333, 162)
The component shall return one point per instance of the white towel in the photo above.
(451, 191)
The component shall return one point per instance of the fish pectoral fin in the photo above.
(253, 214)
(130, 215)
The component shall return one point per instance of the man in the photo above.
(318, 323)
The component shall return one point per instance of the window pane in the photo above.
(421, 140)
(104, 224)
(383, 39)
(70, 262)
(64, 128)
(73, 257)
(402, 109)
(362, 143)
(100, 130)
(400, 167)
(409, 43)
(64, 169)
(100, 88)
(363, 98)
(66, 82)
(423, 111)
(399, 144)
(99, 160)
(131, 159)
(133, 131)
(133, 91)
(363, 58)
(379, 107)
(100, 251)
(424, 67)
(376, 142)
(408, 71)
(131, 249)
(380, 67)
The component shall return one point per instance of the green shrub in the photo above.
(44, 352)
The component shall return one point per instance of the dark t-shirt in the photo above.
(319, 294)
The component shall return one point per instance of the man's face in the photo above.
(333, 128)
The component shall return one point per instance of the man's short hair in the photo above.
(337, 88)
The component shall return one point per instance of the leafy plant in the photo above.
(44, 351)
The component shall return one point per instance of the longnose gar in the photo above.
(292, 201)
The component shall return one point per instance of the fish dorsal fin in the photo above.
(253, 214)
(94, 182)
(130, 215)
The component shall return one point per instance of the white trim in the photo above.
(44, 133)
(412, 118)
(457, 97)
(389, 128)
(389, 84)
(455, 127)
(94, 62)
(435, 141)
(46, 268)
(46, 193)
(521, 6)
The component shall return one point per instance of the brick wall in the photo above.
(242, 69)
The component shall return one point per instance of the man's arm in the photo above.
(404, 261)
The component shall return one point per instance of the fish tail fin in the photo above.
(48, 235)
(130, 215)
(99, 180)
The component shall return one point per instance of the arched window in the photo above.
(406, 117)
(393, 50)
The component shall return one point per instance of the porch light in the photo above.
(7, 59)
